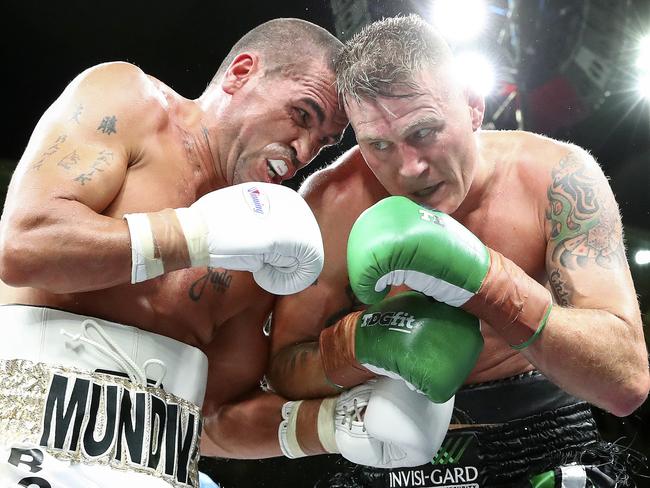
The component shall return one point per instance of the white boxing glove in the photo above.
(399, 416)
(259, 227)
(406, 429)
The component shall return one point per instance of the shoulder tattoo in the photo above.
(102, 161)
(108, 125)
(585, 222)
(49, 151)
(77, 113)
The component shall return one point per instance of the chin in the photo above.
(446, 205)
(435, 201)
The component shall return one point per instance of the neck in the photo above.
(199, 146)
(207, 132)
(479, 186)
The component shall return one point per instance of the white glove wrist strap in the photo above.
(287, 431)
(326, 427)
(196, 236)
(144, 263)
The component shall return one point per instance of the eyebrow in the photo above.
(320, 115)
(367, 138)
(428, 120)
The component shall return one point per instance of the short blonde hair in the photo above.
(386, 55)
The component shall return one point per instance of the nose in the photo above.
(306, 147)
(411, 164)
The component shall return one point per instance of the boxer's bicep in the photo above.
(80, 148)
(294, 320)
(74, 167)
(296, 324)
(300, 318)
(296, 369)
(585, 257)
(64, 163)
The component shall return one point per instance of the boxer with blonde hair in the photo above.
(518, 230)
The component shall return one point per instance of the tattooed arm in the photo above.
(296, 370)
(73, 167)
(593, 344)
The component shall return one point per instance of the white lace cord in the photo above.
(354, 414)
(136, 374)
(162, 365)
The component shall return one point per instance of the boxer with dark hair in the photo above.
(143, 231)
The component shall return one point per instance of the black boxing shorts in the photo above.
(518, 432)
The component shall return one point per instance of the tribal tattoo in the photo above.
(584, 218)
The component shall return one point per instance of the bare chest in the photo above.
(168, 174)
(188, 305)
(514, 226)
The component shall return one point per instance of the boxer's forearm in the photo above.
(247, 429)
(296, 372)
(63, 248)
(596, 356)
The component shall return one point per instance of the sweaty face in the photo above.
(285, 120)
(421, 146)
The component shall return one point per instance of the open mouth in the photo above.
(276, 168)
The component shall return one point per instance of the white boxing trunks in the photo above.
(89, 403)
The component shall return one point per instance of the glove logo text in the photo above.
(429, 216)
(257, 200)
(397, 321)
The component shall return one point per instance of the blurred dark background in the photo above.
(567, 69)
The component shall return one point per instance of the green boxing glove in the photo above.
(397, 241)
(430, 345)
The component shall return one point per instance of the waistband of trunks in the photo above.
(57, 337)
(525, 425)
(510, 398)
(96, 418)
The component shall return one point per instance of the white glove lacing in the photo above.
(354, 414)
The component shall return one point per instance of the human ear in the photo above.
(476, 105)
(239, 72)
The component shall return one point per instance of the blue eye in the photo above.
(379, 145)
(422, 133)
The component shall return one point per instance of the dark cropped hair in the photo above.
(285, 45)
